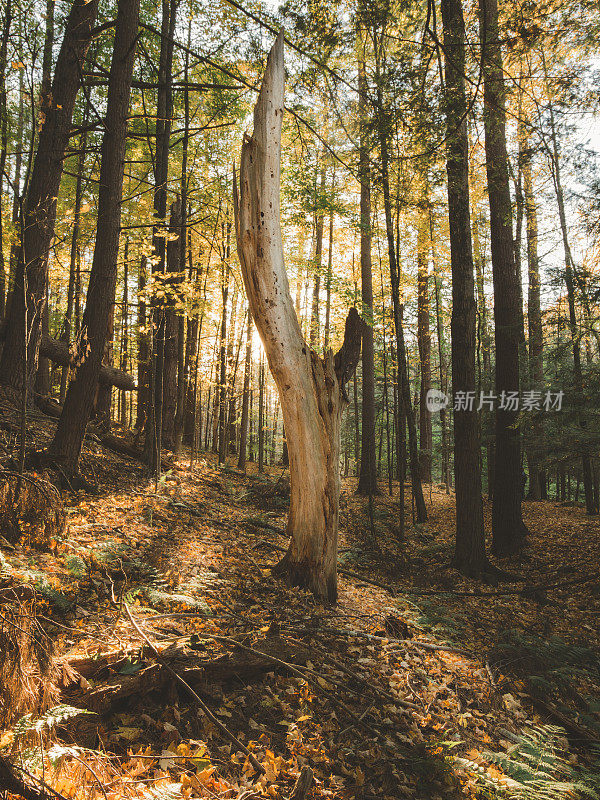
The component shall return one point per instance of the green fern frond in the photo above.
(535, 767)
(50, 719)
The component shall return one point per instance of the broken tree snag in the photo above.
(311, 389)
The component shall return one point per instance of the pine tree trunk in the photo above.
(39, 211)
(311, 389)
(183, 360)
(143, 376)
(469, 554)
(424, 336)
(534, 321)
(261, 416)
(103, 404)
(245, 397)
(171, 355)
(367, 482)
(403, 379)
(329, 272)
(125, 330)
(317, 263)
(508, 528)
(586, 463)
(222, 433)
(445, 468)
(68, 321)
(65, 448)
(164, 113)
(3, 142)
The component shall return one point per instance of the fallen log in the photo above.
(59, 353)
(99, 684)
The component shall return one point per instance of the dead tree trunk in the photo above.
(311, 389)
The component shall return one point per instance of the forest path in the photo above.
(376, 706)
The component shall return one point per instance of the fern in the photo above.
(170, 791)
(50, 719)
(535, 768)
(158, 597)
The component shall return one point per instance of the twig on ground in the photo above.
(217, 722)
(10, 781)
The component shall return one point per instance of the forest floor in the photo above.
(416, 684)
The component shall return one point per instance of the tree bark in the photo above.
(424, 335)
(311, 389)
(39, 212)
(66, 445)
(367, 481)
(586, 463)
(3, 142)
(469, 554)
(183, 361)
(164, 113)
(245, 397)
(68, 321)
(143, 350)
(403, 380)
(508, 528)
(317, 262)
(534, 318)
(222, 393)
(171, 355)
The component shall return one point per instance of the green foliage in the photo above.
(47, 721)
(535, 767)
(76, 566)
(433, 617)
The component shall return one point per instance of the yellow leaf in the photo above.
(7, 739)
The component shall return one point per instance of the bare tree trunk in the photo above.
(424, 334)
(534, 318)
(403, 379)
(39, 211)
(103, 403)
(68, 321)
(125, 330)
(171, 355)
(508, 528)
(261, 415)
(311, 389)
(329, 271)
(469, 554)
(317, 263)
(586, 463)
(367, 482)
(66, 445)
(445, 466)
(245, 397)
(182, 351)
(222, 434)
(42, 386)
(3, 142)
(164, 113)
(143, 375)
